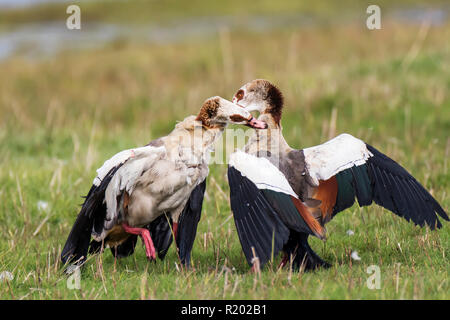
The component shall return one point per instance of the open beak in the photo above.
(241, 117)
(256, 124)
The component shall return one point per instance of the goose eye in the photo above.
(240, 95)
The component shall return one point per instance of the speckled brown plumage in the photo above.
(208, 111)
(272, 95)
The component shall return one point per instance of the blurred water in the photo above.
(36, 40)
(44, 39)
(417, 16)
(25, 3)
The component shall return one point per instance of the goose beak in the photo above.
(256, 124)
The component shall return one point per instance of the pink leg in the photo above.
(145, 235)
(175, 229)
(284, 261)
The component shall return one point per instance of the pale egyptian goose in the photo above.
(149, 185)
(280, 196)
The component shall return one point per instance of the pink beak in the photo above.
(256, 124)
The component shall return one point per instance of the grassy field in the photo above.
(61, 117)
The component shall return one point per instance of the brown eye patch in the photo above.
(239, 95)
(237, 118)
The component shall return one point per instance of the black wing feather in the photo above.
(257, 224)
(362, 185)
(388, 184)
(188, 221)
(392, 187)
(286, 210)
(421, 206)
(264, 228)
(161, 233)
(92, 211)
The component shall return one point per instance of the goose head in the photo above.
(262, 96)
(217, 112)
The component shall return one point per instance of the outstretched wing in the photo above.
(187, 223)
(264, 206)
(346, 168)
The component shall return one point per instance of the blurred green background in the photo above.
(69, 99)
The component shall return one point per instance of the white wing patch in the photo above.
(118, 159)
(135, 162)
(261, 172)
(340, 153)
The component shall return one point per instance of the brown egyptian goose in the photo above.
(280, 196)
(138, 190)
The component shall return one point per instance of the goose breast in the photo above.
(162, 189)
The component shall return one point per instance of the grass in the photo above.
(61, 117)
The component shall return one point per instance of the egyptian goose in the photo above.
(279, 195)
(138, 190)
